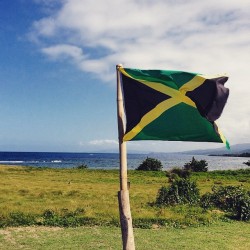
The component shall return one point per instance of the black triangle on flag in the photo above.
(140, 99)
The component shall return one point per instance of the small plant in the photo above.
(150, 164)
(182, 191)
(196, 166)
(73, 193)
(82, 166)
(57, 192)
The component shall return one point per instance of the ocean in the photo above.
(111, 160)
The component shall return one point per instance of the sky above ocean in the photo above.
(58, 57)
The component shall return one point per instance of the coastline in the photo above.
(111, 160)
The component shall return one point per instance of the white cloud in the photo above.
(201, 36)
(45, 27)
(105, 142)
(150, 34)
(64, 51)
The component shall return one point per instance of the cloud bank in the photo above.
(209, 37)
(176, 34)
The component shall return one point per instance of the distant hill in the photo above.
(235, 149)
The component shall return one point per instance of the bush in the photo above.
(177, 173)
(82, 166)
(150, 164)
(232, 199)
(65, 218)
(182, 191)
(196, 166)
(247, 163)
(20, 219)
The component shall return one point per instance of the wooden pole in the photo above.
(123, 194)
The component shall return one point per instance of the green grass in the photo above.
(228, 236)
(32, 190)
(26, 194)
(73, 197)
(206, 180)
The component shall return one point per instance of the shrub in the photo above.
(20, 219)
(206, 201)
(182, 191)
(233, 199)
(247, 163)
(150, 164)
(82, 166)
(65, 218)
(49, 213)
(196, 166)
(177, 173)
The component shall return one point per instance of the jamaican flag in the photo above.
(172, 105)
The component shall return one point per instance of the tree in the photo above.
(150, 164)
(177, 173)
(247, 163)
(196, 166)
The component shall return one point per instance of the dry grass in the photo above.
(34, 190)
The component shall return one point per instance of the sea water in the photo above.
(111, 160)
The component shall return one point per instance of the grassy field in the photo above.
(223, 236)
(30, 193)
(33, 196)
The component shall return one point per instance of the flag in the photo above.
(172, 105)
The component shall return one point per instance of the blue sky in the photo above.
(57, 66)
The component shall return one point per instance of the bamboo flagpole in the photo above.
(123, 194)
